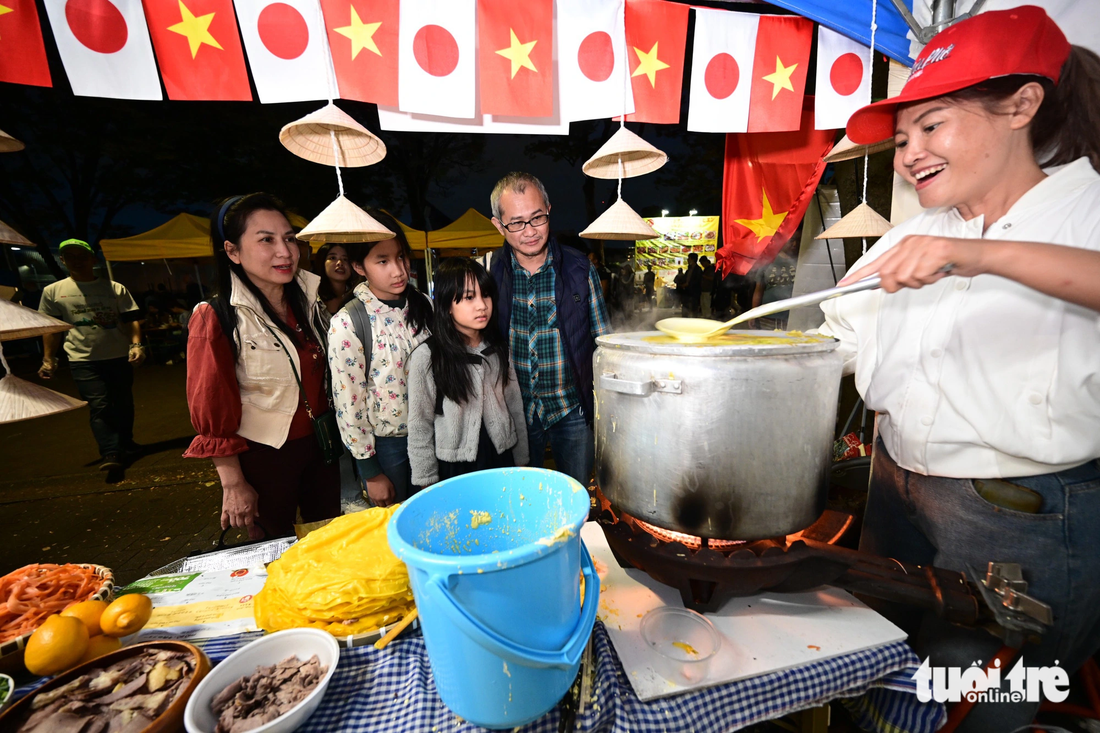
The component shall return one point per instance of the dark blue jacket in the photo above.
(574, 320)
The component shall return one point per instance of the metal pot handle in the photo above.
(611, 383)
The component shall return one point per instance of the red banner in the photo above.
(656, 36)
(779, 72)
(362, 35)
(199, 49)
(767, 185)
(22, 52)
(515, 54)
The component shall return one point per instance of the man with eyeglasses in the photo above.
(551, 306)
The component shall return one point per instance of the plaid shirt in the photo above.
(545, 376)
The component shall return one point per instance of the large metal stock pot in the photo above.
(731, 439)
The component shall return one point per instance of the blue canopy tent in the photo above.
(853, 19)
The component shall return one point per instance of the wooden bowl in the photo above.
(168, 721)
(11, 651)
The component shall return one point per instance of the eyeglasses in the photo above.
(519, 226)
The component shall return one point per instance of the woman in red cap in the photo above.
(986, 377)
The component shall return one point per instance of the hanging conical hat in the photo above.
(343, 221)
(638, 157)
(846, 149)
(23, 400)
(20, 322)
(620, 222)
(10, 236)
(862, 221)
(9, 144)
(310, 138)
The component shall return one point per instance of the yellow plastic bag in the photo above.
(342, 578)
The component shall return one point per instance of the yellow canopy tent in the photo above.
(184, 236)
(468, 232)
(418, 240)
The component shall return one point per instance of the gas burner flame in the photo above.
(688, 540)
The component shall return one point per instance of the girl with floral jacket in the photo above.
(369, 381)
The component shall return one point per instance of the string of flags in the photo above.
(468, 65)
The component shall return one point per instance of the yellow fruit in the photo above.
(126, 615)
(100, 645)
(89, 612)
(55, 646)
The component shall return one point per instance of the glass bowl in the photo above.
(682, 643)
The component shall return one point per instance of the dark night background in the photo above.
(104, 168)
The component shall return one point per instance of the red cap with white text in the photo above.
(996, 43)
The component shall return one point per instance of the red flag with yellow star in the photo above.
(22, 53)
(199, 49)
(779, 72)
(362, 35)
(515, 56)
(767, 185)
(656, 36)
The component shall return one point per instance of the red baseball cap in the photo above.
(1021, 40)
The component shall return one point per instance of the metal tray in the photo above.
(232, 558)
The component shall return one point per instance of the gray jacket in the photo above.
(454, 435)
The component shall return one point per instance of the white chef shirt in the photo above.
(983, 377)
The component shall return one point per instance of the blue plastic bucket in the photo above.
(495, 560)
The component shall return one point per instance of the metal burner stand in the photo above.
(706, 577)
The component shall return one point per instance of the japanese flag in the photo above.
(843, 84)
(722, 70)
(286, 49)
(105, 47)
(435, 58)
(592, 65)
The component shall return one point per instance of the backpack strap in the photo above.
(360, 323)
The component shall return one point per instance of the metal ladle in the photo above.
(694, 330)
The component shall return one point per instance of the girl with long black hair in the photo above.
(369, 369)
(247, 349)
(465, 406)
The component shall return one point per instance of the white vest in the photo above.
(269, 392)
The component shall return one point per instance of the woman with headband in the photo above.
(256, 374)
(981, 354)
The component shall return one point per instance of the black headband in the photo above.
(221, 217)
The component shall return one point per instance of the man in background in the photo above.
(693, 288)
(551, 309)
(103, 347)
(707, 287)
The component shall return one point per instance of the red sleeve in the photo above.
(212, 392)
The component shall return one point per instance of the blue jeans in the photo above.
(393, 454)
(571, 443)
(108, 388)
(944, 522)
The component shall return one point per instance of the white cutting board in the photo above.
(760, 634)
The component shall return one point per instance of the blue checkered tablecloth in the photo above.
(393, 691)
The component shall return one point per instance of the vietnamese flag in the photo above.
(199, 49)
(515, 53)
(362, 35)
(22, 52)
(779, 72)
(656, 36)
(768, 182)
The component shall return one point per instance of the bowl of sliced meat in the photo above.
(144, 687)
(272, 685)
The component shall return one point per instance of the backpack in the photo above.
(360, 323)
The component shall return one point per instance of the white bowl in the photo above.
(270, 649)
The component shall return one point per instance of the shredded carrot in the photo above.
(30, 594)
